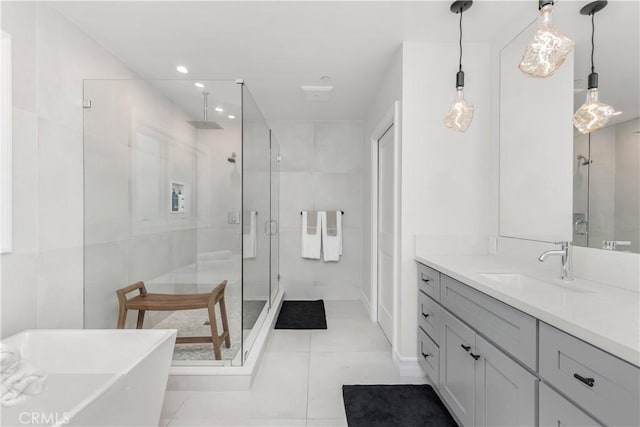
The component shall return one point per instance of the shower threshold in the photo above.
(201, 375)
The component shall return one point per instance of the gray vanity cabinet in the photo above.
(494, 365)
(556, 411)
(481, 384)
(457, 367)
(505, 391)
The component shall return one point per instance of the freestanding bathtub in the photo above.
(95, 377)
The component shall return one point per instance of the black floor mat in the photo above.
(302, 315)
(394, 406)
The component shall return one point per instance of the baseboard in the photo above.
(407, 366)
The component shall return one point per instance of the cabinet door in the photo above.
(556, 411)
(457, 367)
(505, 391)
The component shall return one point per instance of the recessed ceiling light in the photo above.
(219, 109)
(198, 84)
(617, 113)
(231, 116)
(182, 69)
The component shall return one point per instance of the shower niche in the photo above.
(178, 197)
(159, 184)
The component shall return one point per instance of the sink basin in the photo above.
(521, 281)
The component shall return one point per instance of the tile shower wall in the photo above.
(136, 142)
(42, 279)
(321, 169)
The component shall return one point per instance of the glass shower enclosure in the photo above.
(181, 193)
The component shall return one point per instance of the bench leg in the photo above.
(122, 317)
(140, 319)
(225, 323)
(214, 332)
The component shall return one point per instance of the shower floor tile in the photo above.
(191, 323)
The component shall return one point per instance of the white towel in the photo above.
(250, 236)
(331, 245)
(9, 360)
(310, 243)
(26, 381)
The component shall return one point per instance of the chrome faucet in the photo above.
(565, 253)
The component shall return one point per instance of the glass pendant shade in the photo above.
(548, 49)
(460, 114)
(593, 114)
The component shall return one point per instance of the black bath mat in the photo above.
(302, 315)
(394, 406)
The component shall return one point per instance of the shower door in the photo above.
(256, 220)
(275, 218)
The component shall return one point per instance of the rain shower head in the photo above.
(232, 159)
(205, 124)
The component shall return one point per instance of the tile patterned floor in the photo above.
(300, 377)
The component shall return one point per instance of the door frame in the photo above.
(391, 118)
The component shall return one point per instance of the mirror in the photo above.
(606, 163)
(555, 183)
(535, 147)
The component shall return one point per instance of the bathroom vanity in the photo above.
(504, 347)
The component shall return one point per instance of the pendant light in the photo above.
(593, 114)
(461, 112)
(549, 47)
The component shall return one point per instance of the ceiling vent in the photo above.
(317, 93)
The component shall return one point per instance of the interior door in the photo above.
(386, 235)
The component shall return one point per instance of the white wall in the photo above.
(445, 174)
(19, 269)
(389, 91)
(321, 169)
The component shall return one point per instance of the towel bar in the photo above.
(340, 212)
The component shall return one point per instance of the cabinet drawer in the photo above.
(509, 328)
(599, 382)
(429, 281)
(428, 356)
(428, 316)
(556, 411)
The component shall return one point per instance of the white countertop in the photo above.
(604, 316)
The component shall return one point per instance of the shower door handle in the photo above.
(271, 228)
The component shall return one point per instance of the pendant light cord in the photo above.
(593, 45)
(460, 43)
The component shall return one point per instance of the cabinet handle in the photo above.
(425, 355)
(425, 315)
(424, 278)
(475, 356)
(588, 381)
(466, 347)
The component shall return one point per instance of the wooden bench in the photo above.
(146, 301)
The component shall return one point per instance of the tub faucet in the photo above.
(564, 252)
